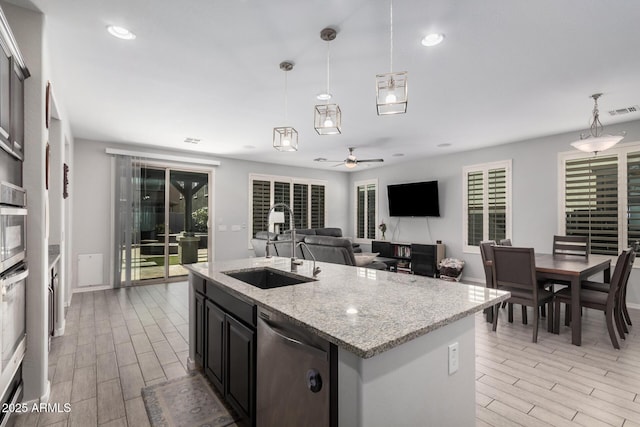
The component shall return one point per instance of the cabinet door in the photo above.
(5, 100)
(214, 347)
(199, 327)
(17, 111)
(241, 362)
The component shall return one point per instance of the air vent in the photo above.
(191, 140)
(632, 109)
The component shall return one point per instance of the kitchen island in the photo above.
(396, 336)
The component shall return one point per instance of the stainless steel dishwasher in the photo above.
(296, 375)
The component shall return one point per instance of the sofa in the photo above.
(325, 244)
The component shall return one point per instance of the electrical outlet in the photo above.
(454, 358)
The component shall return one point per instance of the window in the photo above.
(487, 203)
(305, 197)
(600, 198)
(366, 209)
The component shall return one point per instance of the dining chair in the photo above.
(603, 301)
(514, 270)
(486, 253)
(622, 299)
(505, 242)
(571, 245)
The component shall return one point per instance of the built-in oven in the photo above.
(13, 225)
(13, 328)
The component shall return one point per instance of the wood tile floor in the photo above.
(115, 343)
(118, 341)
(554, 382)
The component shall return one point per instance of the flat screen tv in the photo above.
(414, 199)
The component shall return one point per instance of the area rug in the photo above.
(186, 402)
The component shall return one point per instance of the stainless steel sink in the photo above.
(267, 278)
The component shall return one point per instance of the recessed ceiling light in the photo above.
(120, 32)
(432, 39)
(446, 144)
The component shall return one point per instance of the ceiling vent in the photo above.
(632, 109)
(191, 140)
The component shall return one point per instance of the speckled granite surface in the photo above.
(363, 311)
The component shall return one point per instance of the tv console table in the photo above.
(415, 258)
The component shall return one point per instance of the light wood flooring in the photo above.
(118, 341)
(554, 382)
(115, 343)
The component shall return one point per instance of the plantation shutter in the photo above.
(366, 211)
(317, 206)
(282, 194)
(591, 202)
(475, 207)
(371, 211)
(261, 201)
(633, 198)
(301, 205)
(497, 203)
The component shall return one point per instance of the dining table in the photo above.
(572, 269)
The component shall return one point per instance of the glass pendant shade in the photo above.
(592, 144)
(285, 139)
(391, 93)
(597, 140)
(327, 119)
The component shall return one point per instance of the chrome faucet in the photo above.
(294, 261)
(315, 270)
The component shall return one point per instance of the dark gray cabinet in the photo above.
(199, 327)
(17, 110)
(5, 98)
(241, 364)
(225, 345)
(215, 348)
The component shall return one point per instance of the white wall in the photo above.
(535, 193)
(92, 199)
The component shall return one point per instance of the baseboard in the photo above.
(42, 399)
(633, 305)
(59, 331)
(91, 289)
(192, 365)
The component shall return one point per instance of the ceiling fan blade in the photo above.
(371, 160)
(338, 164)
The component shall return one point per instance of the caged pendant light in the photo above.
(327, 118)
(597, 141)
(391, 88)
(285, 138)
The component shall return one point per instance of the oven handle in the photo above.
(9, 282)
(13, 211)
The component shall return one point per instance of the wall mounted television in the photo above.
(414, 199)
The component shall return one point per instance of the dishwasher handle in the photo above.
(274, 330)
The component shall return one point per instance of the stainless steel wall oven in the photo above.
(13, 282)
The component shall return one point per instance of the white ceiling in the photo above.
(208, 69)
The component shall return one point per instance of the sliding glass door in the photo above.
(166, 225)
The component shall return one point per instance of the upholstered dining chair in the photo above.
(604, 301)
(514, 270)
(505, 242)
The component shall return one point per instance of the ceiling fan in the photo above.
(351, 161)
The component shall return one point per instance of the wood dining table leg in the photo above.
(576, 317)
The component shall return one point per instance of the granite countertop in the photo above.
(362, 310)
(54, 255)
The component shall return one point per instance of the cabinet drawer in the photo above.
(232, 305)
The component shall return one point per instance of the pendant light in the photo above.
(391, 88)
(285, 138)
(327, 118)
(597, 140)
